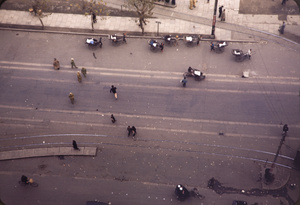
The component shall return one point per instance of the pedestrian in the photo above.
(124, 38)
(207, 1)
(71, 96)
(184, 81)
(162, 47)
(73, 63)
(56, 64)
(198, 40)
(94, 18)
(113, 119)
(281, 28)
(194, 3)
(285, 129)
(129, 130)
(75, 145)
(83, 71)
(283, 2)
(113, 90)
(249, 53)
(79, 78)
(177, 39)
(223, 15)
(133, 130)
(220, 11)
(191, 4)
(212, 46)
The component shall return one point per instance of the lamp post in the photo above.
(158, 22)
(214, 18)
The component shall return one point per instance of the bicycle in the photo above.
(29, 182)
(195, 193)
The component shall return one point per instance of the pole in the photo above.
(158, 22)
(214, 18)
(279, 147)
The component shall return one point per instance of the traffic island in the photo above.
(46, 152)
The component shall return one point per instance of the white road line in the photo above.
(162, 87)
(48, 67)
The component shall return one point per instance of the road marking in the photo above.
(163, 87)
(149, 128)
(166, 74)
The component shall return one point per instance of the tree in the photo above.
(143, 8)
(1, 2)
(92, 8)
(298, 3)
(38, 6)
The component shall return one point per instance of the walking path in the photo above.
(178, 20)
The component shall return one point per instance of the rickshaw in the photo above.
(197, 74)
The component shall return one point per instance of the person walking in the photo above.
(162, 47)
(281, 28)
(73, 63)
(191, 4)
(129, 130)
(184, 81)
(79, 78)
(71, 96)
(133, 130)
(124, 38)
(75, 145)
(223, 15)
(220, 11)
(249, 53)
(212, 46)
(83, 71)
(94, 18)
(113, 119)
(113, 90)
(194, 3)
(56, 64)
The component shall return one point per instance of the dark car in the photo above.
(239, 202)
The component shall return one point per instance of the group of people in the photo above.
(131, 130)
(222, 13)
(56, 66)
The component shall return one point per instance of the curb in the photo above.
(165, 4)
(45, 152)
(104, 33)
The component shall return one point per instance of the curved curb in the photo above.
(45, 152)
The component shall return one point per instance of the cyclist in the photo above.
(24, 179)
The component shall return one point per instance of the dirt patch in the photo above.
(273, 7)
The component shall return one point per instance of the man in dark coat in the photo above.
(113, 90)
(75, 145)
(220, 11)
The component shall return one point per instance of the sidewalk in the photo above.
(175, 20)
(108, 24)
(48, 151)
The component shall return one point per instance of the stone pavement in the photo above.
(176, 20)
(48, 151)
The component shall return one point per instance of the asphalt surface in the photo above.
(178, 128)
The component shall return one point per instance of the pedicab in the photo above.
(195, 73)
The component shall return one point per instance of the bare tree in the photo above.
(92, 8)
(38, 6)
(143, 8)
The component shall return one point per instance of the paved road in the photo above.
(177, 141)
